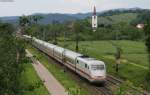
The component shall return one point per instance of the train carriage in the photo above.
(50, 49)
(70, 58)
(58, 53)
(91, 69)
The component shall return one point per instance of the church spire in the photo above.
(94, 13)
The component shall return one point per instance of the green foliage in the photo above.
(122, 89)
(147, 43)
(31, 82)
(26, 21)
(49, 32)
(110, 27)
(36, 18)
(13, 77)
(117, 18)
(12, 55)
(120, 11)
(147, 34)
(142, 17)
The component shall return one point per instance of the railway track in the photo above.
(110, 86)
(111, 82)
(104, 91)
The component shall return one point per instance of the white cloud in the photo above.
(19, 7)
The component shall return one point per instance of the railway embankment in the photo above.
(52, 85)
(59, 73)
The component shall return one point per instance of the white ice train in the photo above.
(91, 69)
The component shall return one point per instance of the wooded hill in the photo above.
(49, 18)
(116, 24)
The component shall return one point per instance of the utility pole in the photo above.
(65, 46)
(118, 57)
(55, 32)
(43, 30)
(77, 41)
(76, 28)
(118, 54)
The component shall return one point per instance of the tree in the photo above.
(78, 28)
(57, 30)
(54, 29)
(32, 21)
(36, 18)
(147, 41)
(24, 22)
(13, 54)
(118, 55)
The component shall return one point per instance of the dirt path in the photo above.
(52, 85)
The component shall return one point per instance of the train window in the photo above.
(97, 67)
(85, 65)
(88, 67)
(77, 61)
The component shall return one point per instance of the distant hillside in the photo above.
(10, 19)
(49, 18)
(106, 17)
(114, 19)
(122, 10)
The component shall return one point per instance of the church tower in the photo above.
(94, 20)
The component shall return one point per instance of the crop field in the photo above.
(134, 62)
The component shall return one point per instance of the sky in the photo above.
(27, 7)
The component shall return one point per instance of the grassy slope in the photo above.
(124, 17)
(58, 72)
(103, 50)
(29, 77)
(132, 50)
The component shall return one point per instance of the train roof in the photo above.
(38, 40)
(27, 36)
(50, 45)
(59, 49)
(72, 54)
(68, 52)
(45, 43)
(89, 60)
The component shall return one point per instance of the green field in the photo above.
(30, 80)
(125, 17)
(133, 51)
(133, 68)
(60, 75)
